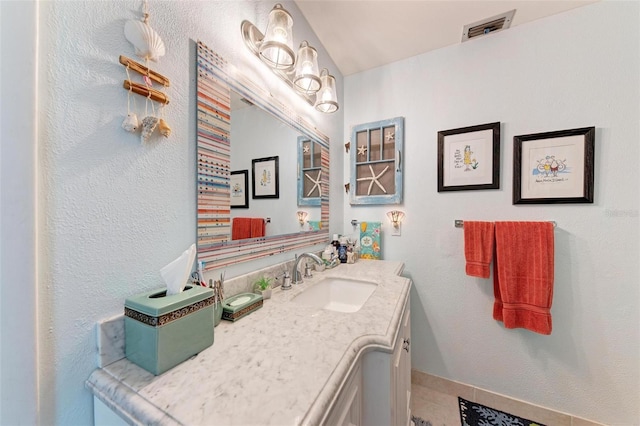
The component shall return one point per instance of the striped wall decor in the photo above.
(214, 160)
(324, 184)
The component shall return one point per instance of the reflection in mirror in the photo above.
(237, 123)
(256, 134)
(309, 172)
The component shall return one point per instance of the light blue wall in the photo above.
(571, 70)
(18, 214)
(110, 210)
(256, 134)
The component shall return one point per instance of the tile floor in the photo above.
(441, 409)
(438, 408)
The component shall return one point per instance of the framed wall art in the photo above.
(239, 188)
(376, 162)
(554, 167)
(469, 158)
(265, 182)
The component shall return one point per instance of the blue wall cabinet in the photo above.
(376, 162)
(309, 172)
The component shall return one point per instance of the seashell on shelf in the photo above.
(164, 128)
(130, 123)
(149, 124)
(145, 40)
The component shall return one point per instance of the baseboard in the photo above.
(499, 402)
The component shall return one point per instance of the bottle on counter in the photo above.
(342, 250)
(336, 242)
(336, 245)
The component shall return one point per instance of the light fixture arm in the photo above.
(252, 36)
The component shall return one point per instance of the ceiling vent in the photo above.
(487, 26)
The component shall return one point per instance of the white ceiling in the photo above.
(364, 34)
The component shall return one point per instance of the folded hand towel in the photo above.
(523, 275)
(478, 248)
(370, 240)
(241, 228)
(257, 227)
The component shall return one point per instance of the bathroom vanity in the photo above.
(290, 362)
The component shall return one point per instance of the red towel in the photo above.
(241, 228)
(478, 248)
(257, 227)
(523, 275)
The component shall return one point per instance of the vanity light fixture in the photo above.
(327, 100)
(276, 48)
(396, 216)
(300, 71)
(301, 217)
(306, 79)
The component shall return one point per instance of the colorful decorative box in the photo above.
(370, 240)
(162, 331)
(240, 305)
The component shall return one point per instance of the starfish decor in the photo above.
(374, 179)
(316, 183)
(362, 150)
(305, 149)
(390, 136)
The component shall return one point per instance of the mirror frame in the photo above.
(213, 172)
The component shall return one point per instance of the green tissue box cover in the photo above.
(162, 331)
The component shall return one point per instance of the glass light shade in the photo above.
(306, 78)
(276, 48)
(395, 217)
(301, 217)
(326, 98)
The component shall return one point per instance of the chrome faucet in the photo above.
(296, 278)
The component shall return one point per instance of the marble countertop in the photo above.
(281, 365)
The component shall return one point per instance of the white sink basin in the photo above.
(337, 294)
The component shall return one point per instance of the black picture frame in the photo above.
(239, 189)
(453, 163)
(265, 182)
(551, 180)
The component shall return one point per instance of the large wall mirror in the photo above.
(248, 169)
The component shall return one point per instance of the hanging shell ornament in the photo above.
(130, 123)
(149, 124)
(145, 40)
(164, 128)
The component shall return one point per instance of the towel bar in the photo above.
(460, 223)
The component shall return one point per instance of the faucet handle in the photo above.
(286, 280)
(307, 271)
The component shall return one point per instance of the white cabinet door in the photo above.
(104, 416)
(347, 409)
(401, 374)
(386, 390)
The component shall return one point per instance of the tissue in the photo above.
(176, 273)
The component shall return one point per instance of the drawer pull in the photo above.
(405, 344)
